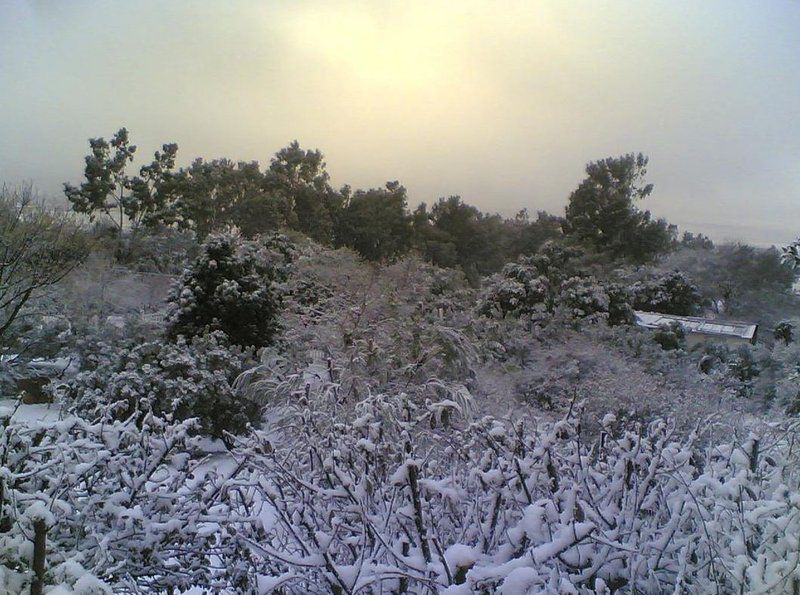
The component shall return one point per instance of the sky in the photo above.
(502, 103)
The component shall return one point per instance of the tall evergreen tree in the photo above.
(602, 211)
(107, 188)
(375, 223)
(299, 178)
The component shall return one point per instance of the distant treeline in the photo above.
(294, 192)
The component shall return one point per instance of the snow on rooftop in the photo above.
(693, 324)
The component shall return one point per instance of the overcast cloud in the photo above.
(500, 102)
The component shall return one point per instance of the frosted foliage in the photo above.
(391, 492)
(583, 297)
(387, 462)
(542, 285)
(126, 508)
(230, 287)
(377, 501)
(179, 380)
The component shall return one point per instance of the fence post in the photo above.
(39, 553)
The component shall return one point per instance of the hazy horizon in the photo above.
(502, 107)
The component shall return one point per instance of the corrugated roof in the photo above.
(693, 324)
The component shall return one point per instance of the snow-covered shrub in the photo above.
(182, 380)
(583, 297)
(518, 289)
(384, 495)
(784, 331)
(620, 309)
(384, 328)
(669, 293)
(428, 362)
(538, 285)
(670, 336)
(373, 499)
(530, 284)
(230, 287)
(127, 509)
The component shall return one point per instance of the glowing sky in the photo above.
(501, 102)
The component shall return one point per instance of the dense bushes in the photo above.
(391, 493)
(176, 381)
(230, 287)
(506, 507)
(670, 293)
(126, 508)
(553, 281)
(519, 289)
(380, 470)
(582, 297)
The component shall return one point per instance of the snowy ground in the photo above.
(41, 412)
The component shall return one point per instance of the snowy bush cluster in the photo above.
(385, 494)
(557, 279)
(125, 505)
(387, 439)
(553, 281)
(182, 380)
(230, 287)
(668, 293)
(377, 500)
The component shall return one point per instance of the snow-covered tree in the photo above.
(231, 288)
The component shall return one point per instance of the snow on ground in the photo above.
(46, 412)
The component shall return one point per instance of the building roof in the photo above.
(704, 326)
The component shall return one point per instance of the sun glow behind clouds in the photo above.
(409, 67)
(426, 82)
(501, 102)
(373, 49)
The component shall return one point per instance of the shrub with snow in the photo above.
(127, 509)
(670, 293)
(181, 380)
(379, 470)
(375, 499)
(230, 287)
(620, 309)
(583, 297)
(538, 285)
(510, 295)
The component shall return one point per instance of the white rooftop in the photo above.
(693, 324)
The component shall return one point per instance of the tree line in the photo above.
(294, 192)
